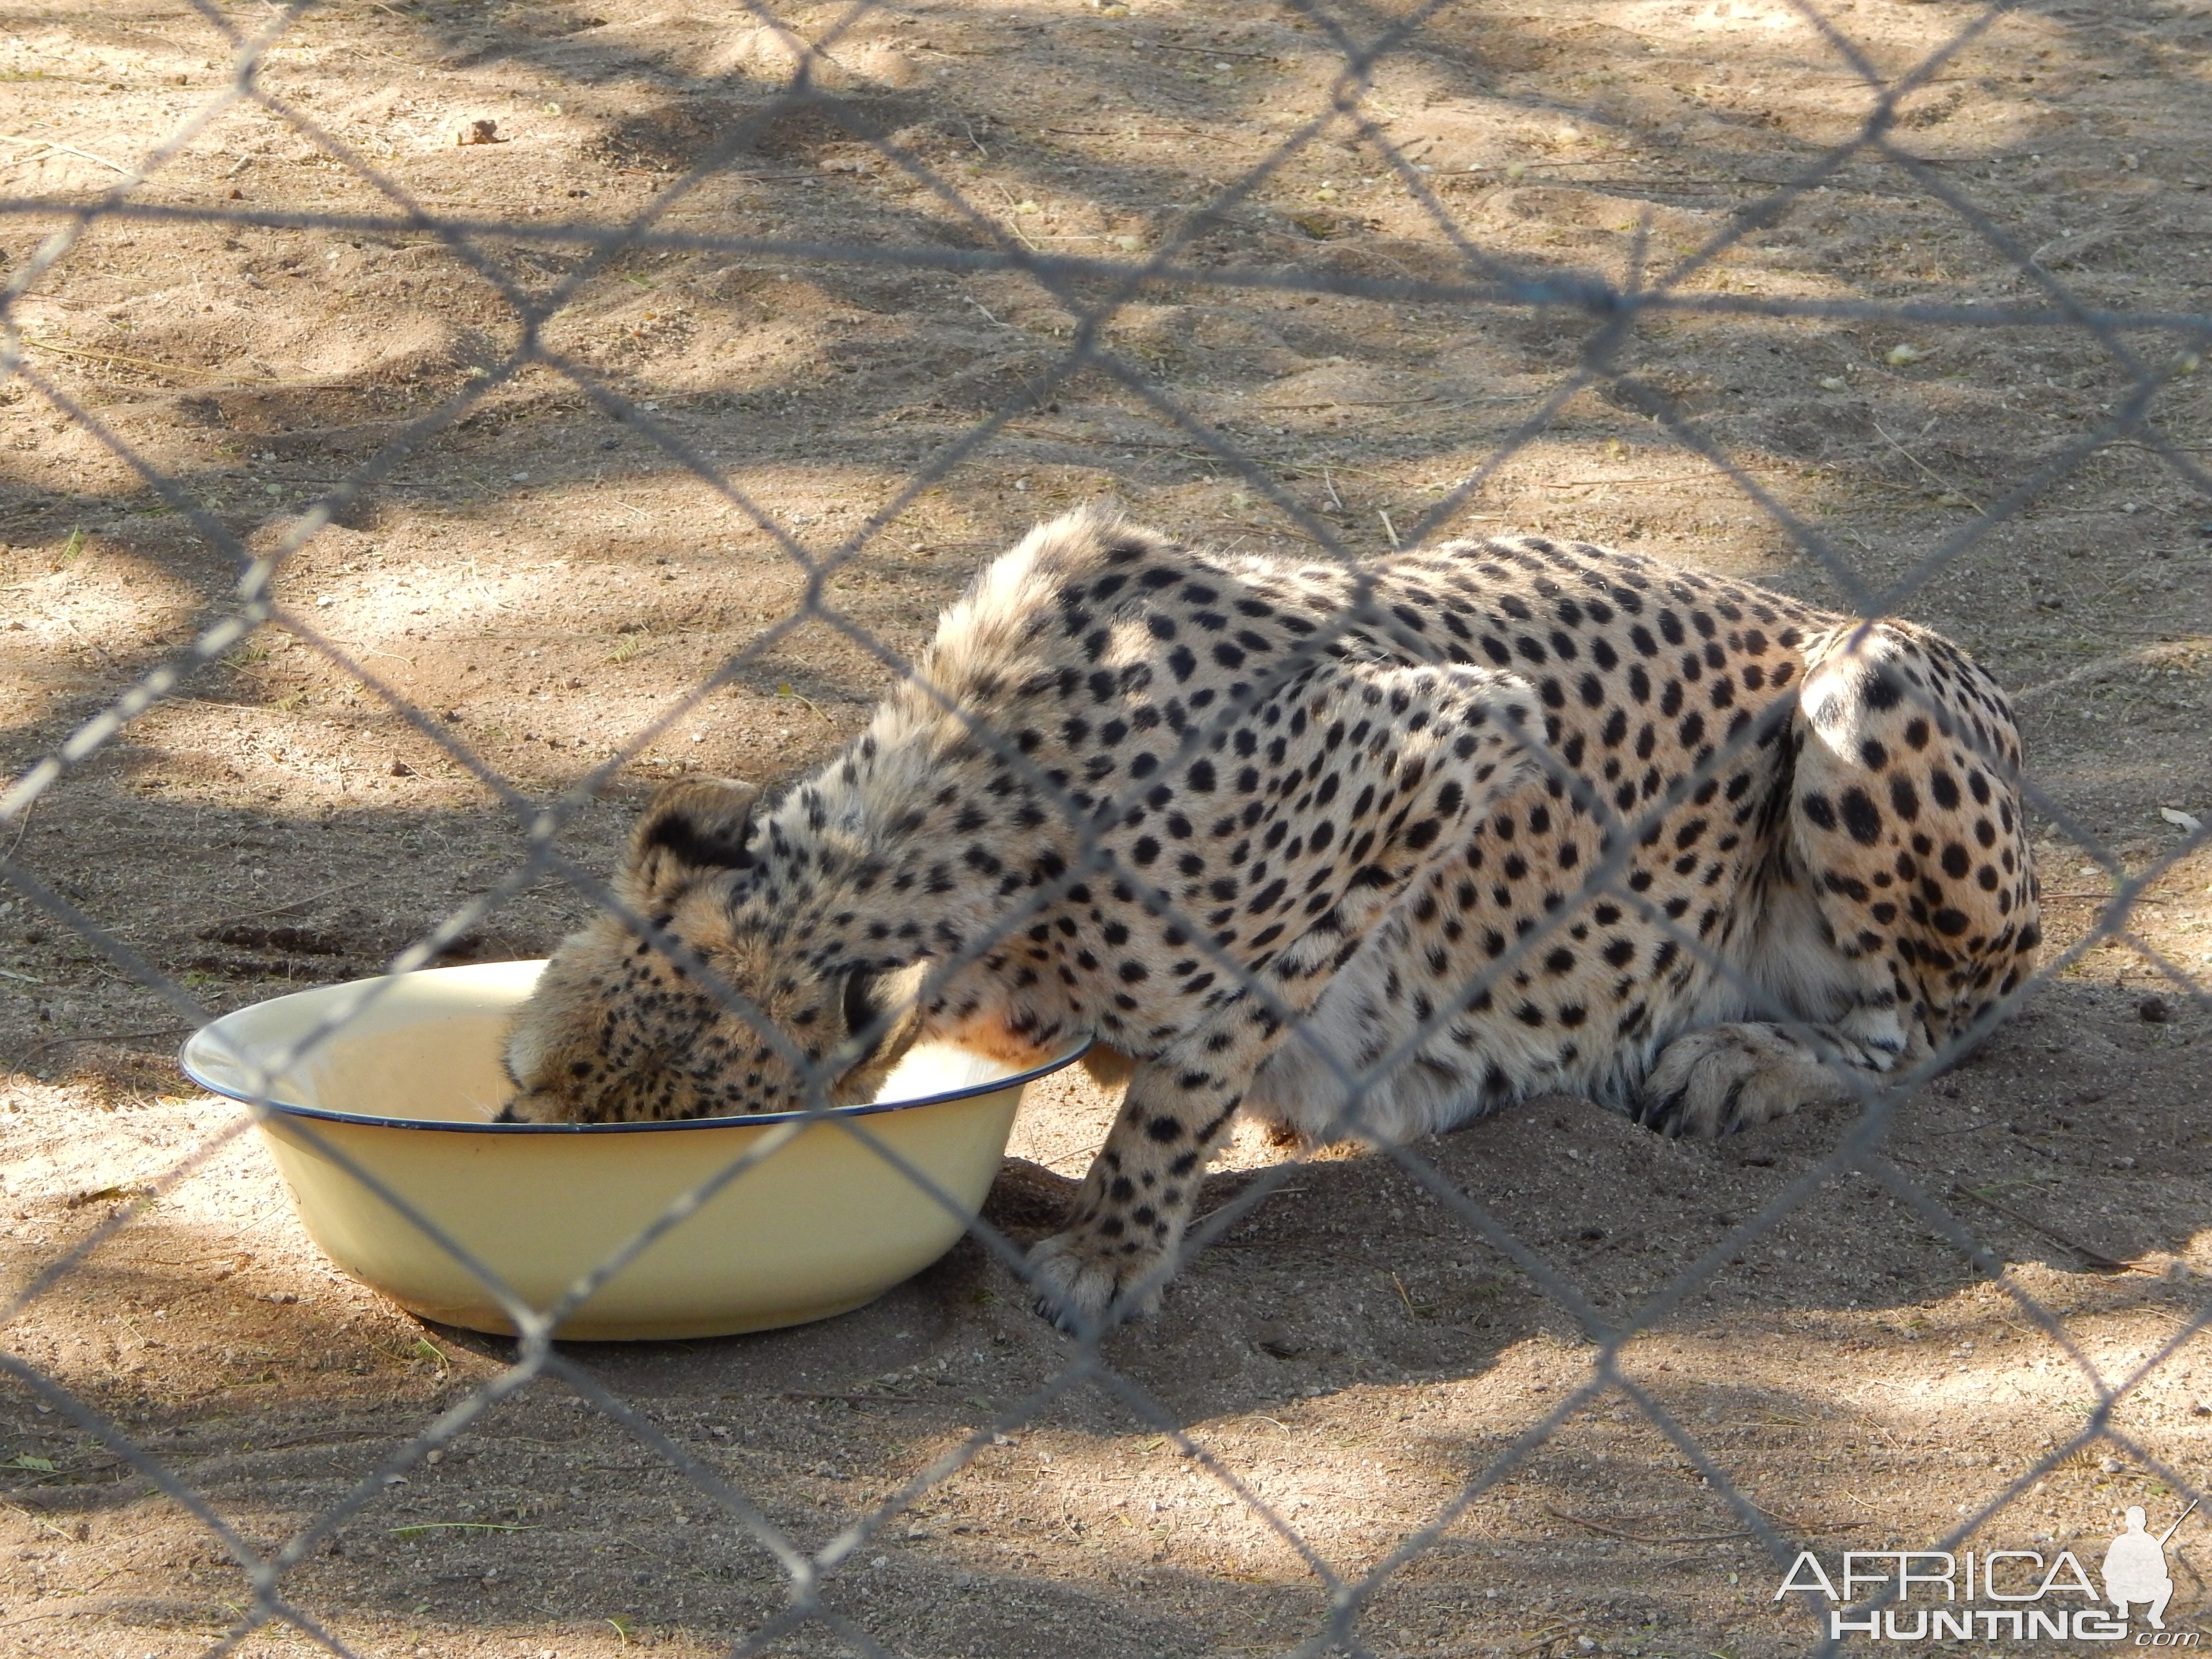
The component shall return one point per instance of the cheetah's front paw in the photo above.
(1084, 1281)
(1726, 1077)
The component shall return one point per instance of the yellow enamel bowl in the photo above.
(405, 1087)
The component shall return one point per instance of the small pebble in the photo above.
(2155, 1010)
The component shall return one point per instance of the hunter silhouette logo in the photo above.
(2135, 1567)
(2018, 1595)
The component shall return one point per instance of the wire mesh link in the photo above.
(1093, 295)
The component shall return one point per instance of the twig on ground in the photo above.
(38, 1049)
(1933, 477)
(84, 639)
(1783, 1523)
(41, 145)
(2138, 657)
(1679, 477)
(1639, 1538)
(22, 829)
(1212, 52)
(2096, 1258)
(147, 364)
(783, 690)
(290, 904)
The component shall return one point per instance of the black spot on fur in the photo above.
(1861, 816)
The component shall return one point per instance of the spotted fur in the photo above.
(1360, 852)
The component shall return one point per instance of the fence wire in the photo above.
(1094, 293)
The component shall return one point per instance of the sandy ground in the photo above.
(546, 585)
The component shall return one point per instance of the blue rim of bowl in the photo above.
(1059, 1062)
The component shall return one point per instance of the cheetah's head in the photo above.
(616, 1031)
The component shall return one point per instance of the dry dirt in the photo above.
(544, 581)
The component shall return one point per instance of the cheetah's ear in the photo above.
(691, 831)
(882, 1017)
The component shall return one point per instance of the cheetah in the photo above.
(1362, 851)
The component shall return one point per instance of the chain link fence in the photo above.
(1094, 294)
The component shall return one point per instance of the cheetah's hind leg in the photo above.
(1898, 905)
